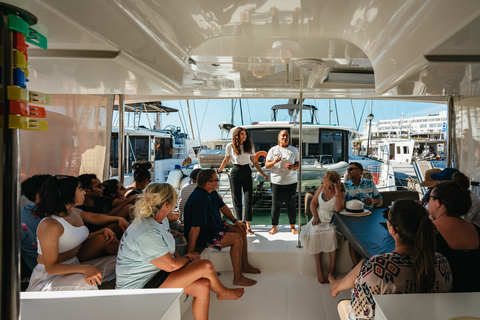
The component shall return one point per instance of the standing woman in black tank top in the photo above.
(241, 152)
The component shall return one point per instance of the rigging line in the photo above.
(241, 110)
(185, 129)
(206, 107)
(354, 118)
(190, 118)
(249, 114)
(336, 111)
(196, 118)
(361, 116)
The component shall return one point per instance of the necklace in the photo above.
(327, 197)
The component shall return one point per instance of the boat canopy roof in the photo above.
(290, 106)
(149, 107)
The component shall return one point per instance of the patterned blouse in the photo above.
(391, 273)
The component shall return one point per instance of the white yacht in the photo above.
(86, 56)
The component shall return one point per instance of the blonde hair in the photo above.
(334, 176)
(153, 198)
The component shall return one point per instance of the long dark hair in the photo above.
(455, 198)
(111, 188)
(56, 193)
(415, 229)
(141, 170)
(247, 144)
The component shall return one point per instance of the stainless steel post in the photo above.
(10, 185)
(300, 150)
(121, 138)
(452, 156)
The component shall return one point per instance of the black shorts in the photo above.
(157, 280)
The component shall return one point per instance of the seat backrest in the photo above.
(390, 196)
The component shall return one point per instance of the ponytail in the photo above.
(415, 229)
(424, 256)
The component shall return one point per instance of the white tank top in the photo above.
(71, 238)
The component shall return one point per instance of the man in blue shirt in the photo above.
(204, 226)
(359, 188)
(31, 189)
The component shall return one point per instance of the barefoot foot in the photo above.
(244, 281)
(250, 232)
(333, 285)
(273, 231)
(293, 230)
(231, 294)
(250, 269)
(321, 278)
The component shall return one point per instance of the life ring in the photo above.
(260, 154)
(186, 162)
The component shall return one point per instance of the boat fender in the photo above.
(174, 178)
(186, 162)
(260, 154)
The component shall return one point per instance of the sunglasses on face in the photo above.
(214, 180)
(351, 169)
(429, 196)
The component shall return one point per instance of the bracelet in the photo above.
(234, 221)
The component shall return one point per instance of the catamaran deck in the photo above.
(286, 289)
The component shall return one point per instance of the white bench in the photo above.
(102, 304)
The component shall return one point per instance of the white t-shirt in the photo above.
(280, 174)
(243, 158)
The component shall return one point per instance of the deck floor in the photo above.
(278, 294)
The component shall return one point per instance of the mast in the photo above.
(190, 118)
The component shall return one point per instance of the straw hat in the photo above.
(354, 207)
(429, 182)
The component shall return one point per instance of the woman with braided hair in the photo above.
(141, 178)
(413, 267)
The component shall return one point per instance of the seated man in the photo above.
(186, 191)
(359, 188)
(204, 226)
(96, 202)
(31, 189)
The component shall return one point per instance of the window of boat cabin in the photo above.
(334, 143)
(265, 138)
(163, 148)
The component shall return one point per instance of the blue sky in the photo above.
(208, 114)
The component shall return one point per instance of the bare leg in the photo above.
(234, 240)
(318, 264)
(200, 292)
(195, 270)
(333, 258)
(246, 267)
(292, 229)
(354, 255)
(273, 231)
(249, 230)
(345, 283)
(96, 247)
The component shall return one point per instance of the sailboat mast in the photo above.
(190, 118)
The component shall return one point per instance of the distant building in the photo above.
(431, 127)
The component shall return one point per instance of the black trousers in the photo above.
(241, 176)
(283, 194)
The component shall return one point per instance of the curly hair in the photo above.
(141, 170)
(247, 144)
(152, 200)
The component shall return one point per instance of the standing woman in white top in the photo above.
(241, 152)
(63, 241)
(283, 159)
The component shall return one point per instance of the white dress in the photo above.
(323, 237)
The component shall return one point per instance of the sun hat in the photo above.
(445, 174)
(354, 207)
(429, 182)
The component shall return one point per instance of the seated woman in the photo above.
(141, 178)
(320, 235)
(457, 239)
(63, 241)
(113, 189)
(147, 257)
(413, 267)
